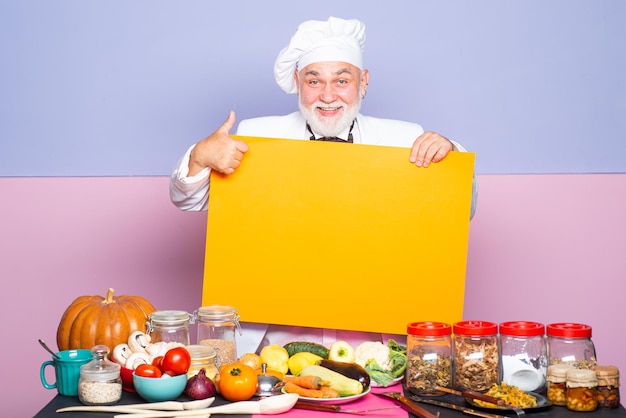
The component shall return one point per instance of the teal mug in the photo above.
(66, 370)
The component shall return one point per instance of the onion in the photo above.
(200, 386)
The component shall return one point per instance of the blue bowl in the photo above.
(159, 389)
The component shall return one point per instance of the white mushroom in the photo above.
(120, 354)
(138, 341)
(135, 359)
(157, 349)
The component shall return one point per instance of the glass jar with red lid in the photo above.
(524, 355)
(570, 343)
(429, 357)
(476, 355)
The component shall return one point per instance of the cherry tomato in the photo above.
(176, 361)
(148, 370)
(237, 382)
(158, 361)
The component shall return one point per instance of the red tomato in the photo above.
(176, 361)
(158, 361)
(148, 370)
(237, 382)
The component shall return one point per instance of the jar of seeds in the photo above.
(216, 328)
(571, 343)
(429, 357)
(100, 382)
(476, 355)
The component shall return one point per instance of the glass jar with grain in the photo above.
(476, 355)
(581, 390)
(100, 382)
(216, 328)
(571, 343)
(608, 386)
(557, 388)
(429, 357)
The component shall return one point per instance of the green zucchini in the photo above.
(342, 384)
(300, 346)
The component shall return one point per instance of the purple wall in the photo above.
(543, 248)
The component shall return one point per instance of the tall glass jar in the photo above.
(581, 390)
(216, 328)
(524, 355)
(100, 382)
(169, 326)
(557, 383)
(429, 357)
(608, 386)
(476, 355)
(571, 343)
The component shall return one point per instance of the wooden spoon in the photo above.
(268, 406)
(142, 407)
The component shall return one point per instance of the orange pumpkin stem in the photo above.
(109, 297)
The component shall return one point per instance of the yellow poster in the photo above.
(342, 236)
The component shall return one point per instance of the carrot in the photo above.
(329, 392)
(308, 382)
(291, 387)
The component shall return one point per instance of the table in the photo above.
(49, 411)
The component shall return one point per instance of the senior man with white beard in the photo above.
(323, 64)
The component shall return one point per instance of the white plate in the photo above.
(393, 382)
(334, 401)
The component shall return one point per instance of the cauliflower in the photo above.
(374, 350)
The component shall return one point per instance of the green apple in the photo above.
(341, 351)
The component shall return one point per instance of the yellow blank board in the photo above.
(342, 236)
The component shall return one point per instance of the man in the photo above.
(323, 64)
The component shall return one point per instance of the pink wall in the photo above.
(542, 247)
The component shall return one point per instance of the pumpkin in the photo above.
(94, 320)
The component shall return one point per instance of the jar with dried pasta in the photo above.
(216, 328)
(429, 357)
(608, 386)
(571, 343)
(581, 390)
(557, 388)
(476, 355)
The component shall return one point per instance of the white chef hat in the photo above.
(317, 41)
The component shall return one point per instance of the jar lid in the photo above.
(199, 351)
(522, 328)
(569, 330)
(100, 368)
(169, 317)
(581, 376)
(216, 312)
(606, 371)
(429, 329)
(475, 328)
(559, 370)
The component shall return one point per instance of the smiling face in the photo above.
(330, 95)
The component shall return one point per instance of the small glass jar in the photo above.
(169, 327)
(100, 382)
(557, 387)
(429, 357)
(216, 328)
(571, 343)
(202, 357)
(476, 355)
(524, 355)
(581, 390)
(608, 386)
